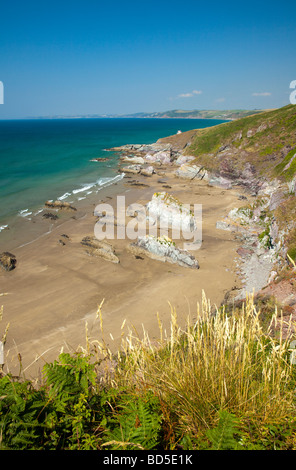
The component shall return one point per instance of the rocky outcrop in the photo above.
(162, 157)
(99, 160)
(7, 261)
(263, 249)
(220, 182)
(60, 205)
(102, 249)
(284, 290)
(133, 159)
(142, 148)
(163, 249)
(191, 172)
(182, 159)
(133, 169)
(168, 211)
(275, 200)
(229, 174)
(49, 215)
(148, 171)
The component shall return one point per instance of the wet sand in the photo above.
(56, 287)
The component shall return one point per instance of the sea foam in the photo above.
(25, 213)
(89, 187)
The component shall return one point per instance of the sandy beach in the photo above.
(56, 287)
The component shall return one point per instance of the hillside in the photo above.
(256, 154)
(265, 141)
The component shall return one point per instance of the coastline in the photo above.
(24, 229)
(56, 287)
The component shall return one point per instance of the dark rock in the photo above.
(99, 248)
(60, 205)
(99, 159)
(223, 147)
(48, 215)
(7, 261)
(141, 185)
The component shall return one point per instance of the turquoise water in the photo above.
(51, 159)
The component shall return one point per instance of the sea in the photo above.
(50, 159)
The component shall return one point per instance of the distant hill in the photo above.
(199, 114)
(230, 115)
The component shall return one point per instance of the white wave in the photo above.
(64, 196)
(87, 187)
(25, 213)
(38, 212)
(3, 227)
(84, 188)
(103, 182)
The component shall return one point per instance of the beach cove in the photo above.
(54, 291)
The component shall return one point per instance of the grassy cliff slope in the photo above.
(266, 141)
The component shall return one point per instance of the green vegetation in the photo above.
(222, 382)
(291, 244)
(268, 140)
(264, 238)
(288, 166)
(285, 215)
(292, 252)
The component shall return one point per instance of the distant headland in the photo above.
(228, 115)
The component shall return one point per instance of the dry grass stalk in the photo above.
(220, 361)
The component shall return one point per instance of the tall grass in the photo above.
(222, 361)
(222, 381)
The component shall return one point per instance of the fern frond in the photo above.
(222, 437)
(137, 421)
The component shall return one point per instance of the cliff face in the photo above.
(258, 155)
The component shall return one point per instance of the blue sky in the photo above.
(118, 57)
